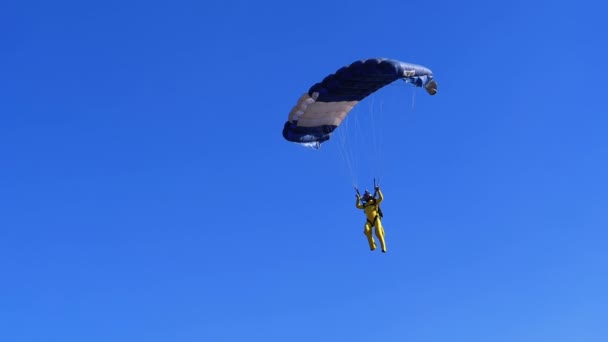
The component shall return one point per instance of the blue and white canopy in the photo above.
(323, 108)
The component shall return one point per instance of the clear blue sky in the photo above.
(146, 192)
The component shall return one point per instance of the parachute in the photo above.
(322, 109)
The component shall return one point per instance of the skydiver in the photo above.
(371, 206)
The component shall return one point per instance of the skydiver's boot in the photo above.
(372, 244)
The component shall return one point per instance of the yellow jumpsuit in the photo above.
(373, 220)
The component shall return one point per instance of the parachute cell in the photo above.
(322, 109)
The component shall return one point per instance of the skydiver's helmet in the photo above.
(367, 196)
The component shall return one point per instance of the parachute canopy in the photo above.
(323, 108)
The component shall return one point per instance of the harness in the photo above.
(373, 223)
(378, 215)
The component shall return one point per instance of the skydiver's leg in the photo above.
(368, 234)
(380, 234)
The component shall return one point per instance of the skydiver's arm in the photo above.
(380, 197)
(358, 203)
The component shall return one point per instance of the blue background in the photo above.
(146, 192)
